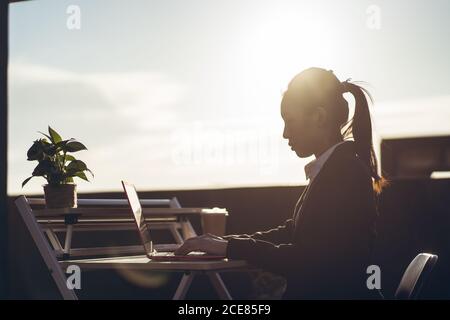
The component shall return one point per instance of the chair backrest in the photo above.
(45, 250)
(416, 276)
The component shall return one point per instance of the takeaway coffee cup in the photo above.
(214, 221)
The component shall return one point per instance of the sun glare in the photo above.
(278, 43)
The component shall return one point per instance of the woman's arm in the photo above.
(216, 245)
(278, 235)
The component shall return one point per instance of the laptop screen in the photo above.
(139, 218)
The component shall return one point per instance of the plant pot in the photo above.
(60, 196)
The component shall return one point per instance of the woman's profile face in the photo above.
(300, 127)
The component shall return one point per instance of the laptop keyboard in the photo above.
(166, 247)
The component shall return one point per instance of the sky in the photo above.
(185, 94)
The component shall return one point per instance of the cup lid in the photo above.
(215, 210)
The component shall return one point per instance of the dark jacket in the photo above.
(325, 249)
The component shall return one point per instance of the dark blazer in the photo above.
(325, 249)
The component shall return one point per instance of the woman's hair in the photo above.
(320, 87)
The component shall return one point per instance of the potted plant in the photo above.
(58, 167)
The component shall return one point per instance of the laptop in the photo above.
(144, 232)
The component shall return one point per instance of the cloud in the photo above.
(149, 97)
(120, 116)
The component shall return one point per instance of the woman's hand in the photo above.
(208, 243)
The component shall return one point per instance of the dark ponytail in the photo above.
(360, 127)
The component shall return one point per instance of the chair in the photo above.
(415, 276)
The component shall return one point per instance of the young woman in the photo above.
(325, 248)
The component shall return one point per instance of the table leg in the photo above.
(183, 287)
(68, 241)
(56, 244)
(187, 229)
(219, 286)
(177, 236)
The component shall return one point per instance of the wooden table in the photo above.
(189, 268)
(41, 222)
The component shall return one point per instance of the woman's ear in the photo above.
(321, 117)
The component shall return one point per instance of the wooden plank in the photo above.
(114, 212)
(59, 226)
(107, 202)
(144, 263)
(184, 286)
(117, 250)
(219, 286)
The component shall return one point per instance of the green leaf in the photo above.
(74, 146)
(69, 180)
(55, 137)
(50, 138)
(43, 168)
(90, 172)
(81, 175)
(70, 157)
(50, 150)
(36, 151)
(75, 166)
(61, 144)
(26, 180)
(59, 161)
(56, 178)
